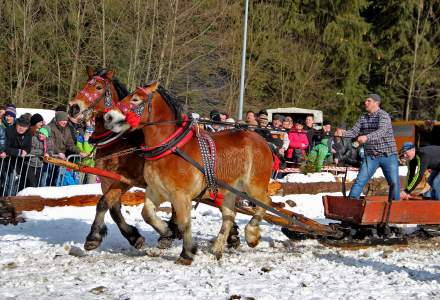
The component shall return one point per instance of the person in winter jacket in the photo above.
(2, 142)
(62, 136)
(299, 143)
(321, 152)
(41, 146)
(9, 117)
(18, 145)
(87, 154)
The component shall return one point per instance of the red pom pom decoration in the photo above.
(132, 119)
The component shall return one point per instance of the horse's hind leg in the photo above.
(228, 217)
(150, 216)
(252, 230)
(129, 232)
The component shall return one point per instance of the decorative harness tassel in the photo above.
(209, 158)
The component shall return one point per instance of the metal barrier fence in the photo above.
(17, 173)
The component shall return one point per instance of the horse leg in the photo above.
(252, 229)
(161, 227)
(177, 234)
(183, 220)
(228, 217)
(98, 229)
(129, 232)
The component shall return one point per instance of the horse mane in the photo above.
(172, 102)
(121, 89)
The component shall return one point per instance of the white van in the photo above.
(296, 113)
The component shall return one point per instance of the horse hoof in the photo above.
(184, 261)
(233, 242)
(253, 244)
(139, 244)
(91, 245)
(164, 242)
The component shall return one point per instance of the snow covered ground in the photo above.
(35, 262)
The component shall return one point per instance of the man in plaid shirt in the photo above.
(375, 132)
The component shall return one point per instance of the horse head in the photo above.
(133, 110)
(101, 92)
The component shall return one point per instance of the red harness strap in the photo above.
(177, 133)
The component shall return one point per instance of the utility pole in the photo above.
(243, 60)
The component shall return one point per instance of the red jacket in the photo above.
(297, 138)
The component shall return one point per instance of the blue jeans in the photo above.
(369, 165)
(434, 182)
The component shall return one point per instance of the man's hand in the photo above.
(404, 195)
(62, 156)
(23, 153)
(336, 161)
(362, 139)
(281, 151)
(3, 155)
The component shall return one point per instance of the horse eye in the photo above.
(99, 87)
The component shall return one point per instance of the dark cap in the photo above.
(36, 118)
(61, 116)
(23, 121)
(326, 122)
(342, 126)
(375, 97)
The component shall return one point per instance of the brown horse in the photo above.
(102, 87)
(244, 162)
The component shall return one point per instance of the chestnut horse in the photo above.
(101, 87)
(244, 161)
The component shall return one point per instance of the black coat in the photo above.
(16, 142)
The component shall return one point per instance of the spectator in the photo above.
(62, 136)
(321, 152)
(341, 147)
(2, 156)
(231, 123)
(2, 142)
(287, 124)
(250, 118)
(18, 145)
(10, 115)
(263, 120)
(309, 128)
(223, 117)
(277, 121)
(87, 152)
(2, 111)
(420, 160)
(215, 118)
(374, 130)
(41, 146)
(75, 127)
(278, 140)
(298, 143)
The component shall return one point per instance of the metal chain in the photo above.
(117, 154)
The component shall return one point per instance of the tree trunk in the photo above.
(173, 37)
(150, 51)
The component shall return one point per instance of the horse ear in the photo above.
(154, 85)
(90, 71)
(109, 75)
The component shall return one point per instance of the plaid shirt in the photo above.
(379, 131)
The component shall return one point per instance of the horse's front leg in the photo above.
(149, 214)
(98, 229)
(228, 217)
(182, 205)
